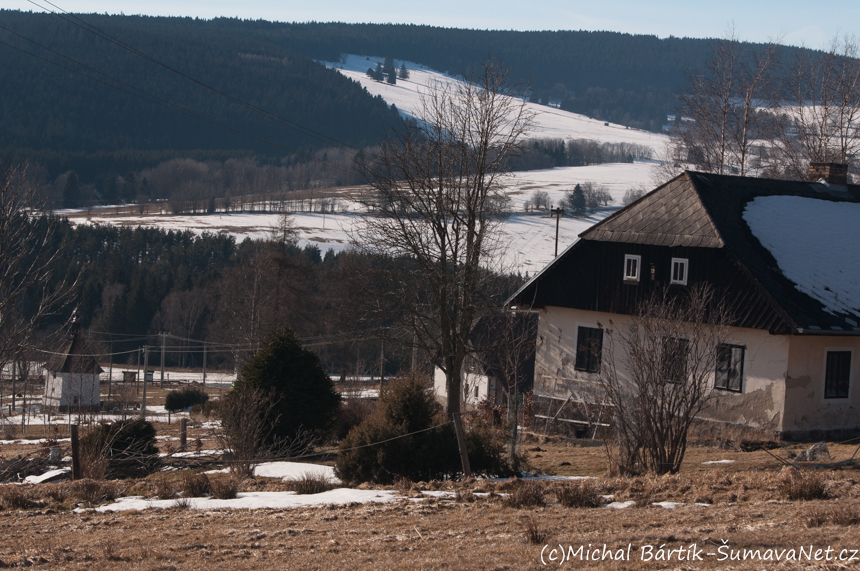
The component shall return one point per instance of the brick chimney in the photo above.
(832, 173)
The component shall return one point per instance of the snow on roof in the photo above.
(816, 244)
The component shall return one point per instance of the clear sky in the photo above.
(794, 21)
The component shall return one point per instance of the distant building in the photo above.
(72, 375)
(784, 256)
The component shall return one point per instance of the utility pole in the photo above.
(164, 337)
(559, 212)
(145, 363)
(204, 363)
(381, 366)
(110, 371)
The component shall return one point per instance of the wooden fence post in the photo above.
(76, 452)
(183, 433)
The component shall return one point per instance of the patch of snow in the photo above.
(287, 470)
(293, 470)
(816, 244)
(257, 500)
(47, 476)
(719, 462)
(668, 505)
(620, 505)
(440, 494)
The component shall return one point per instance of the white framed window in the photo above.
(631, 267)
(679, 271)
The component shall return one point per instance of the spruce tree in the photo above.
(306, 397)
(404, 73)
(576, 200)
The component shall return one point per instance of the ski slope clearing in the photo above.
(549, 121)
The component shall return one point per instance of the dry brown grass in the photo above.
(195, 485)
(802, 485)
(527, 494)
(310, 483)
(225, 488)
(579, 494)
(94, 492)
(535, 534)
(15, 497)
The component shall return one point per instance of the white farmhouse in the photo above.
(72, 375)
(784, 256)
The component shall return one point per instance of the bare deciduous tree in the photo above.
(657, 375)
(723, 110)
(437, 188)
(820, 119)
(29, 291)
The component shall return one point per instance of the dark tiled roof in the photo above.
(73, 357)
(669, 216)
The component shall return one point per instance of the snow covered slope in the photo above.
(549, 122)
(528, 240)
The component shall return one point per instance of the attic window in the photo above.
(631, 267)
(679, 271)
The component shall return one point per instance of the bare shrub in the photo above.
(164, 488)
(845, 515)
(247, 431)
(466, 496)
(526, 494)
(225, 488)
(579, 494)
(93, 492)
(310, 483)
(801, 485)
(656, 376)
(195, 485)
(57, 492)
(534, 534)
(181, 503)
(15, 497)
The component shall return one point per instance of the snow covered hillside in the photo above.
(549, 122)
(528, 239)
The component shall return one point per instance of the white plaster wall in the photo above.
(765, 365)
(470, 382)
(61, 390)
(807, 409)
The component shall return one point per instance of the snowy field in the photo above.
(528, 239)
(549, 122)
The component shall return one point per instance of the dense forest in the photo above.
(136, 113)
(133, 284)
(131, 114)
